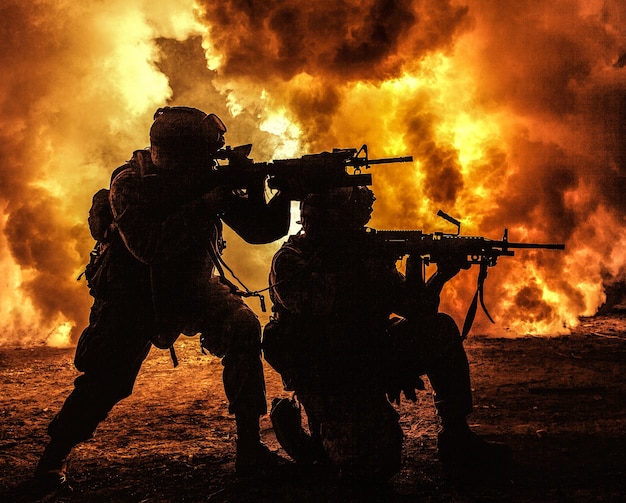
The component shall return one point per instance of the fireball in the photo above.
(515, 119)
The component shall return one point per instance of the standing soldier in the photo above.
(154, 278)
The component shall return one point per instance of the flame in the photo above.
(279, 125)
(514, 118)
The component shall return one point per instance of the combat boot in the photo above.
(255, 460)
(465, 450)
(51, 471)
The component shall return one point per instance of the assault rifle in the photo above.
(424, 249)
(298, 177)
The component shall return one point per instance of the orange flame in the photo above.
(515, 119)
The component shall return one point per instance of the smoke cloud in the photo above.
(369, 40)
(516, 117)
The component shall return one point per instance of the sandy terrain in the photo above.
(559, 402)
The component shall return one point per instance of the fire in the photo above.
(514, 118)
(279, 125)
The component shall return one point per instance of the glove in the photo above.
(448, 267)
(407, 385)
(219, 199)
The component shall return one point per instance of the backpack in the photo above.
(102, 224)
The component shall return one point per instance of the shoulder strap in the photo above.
(140, 162)
(471, 312)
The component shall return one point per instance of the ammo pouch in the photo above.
(95, 270)
(275, 348)
(282, 350)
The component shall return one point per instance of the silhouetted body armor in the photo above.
(335, 343)
(157, 280)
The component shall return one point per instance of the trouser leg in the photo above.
(236, 337)
(244, 381)
(239, 345)
(90, 402)
(110, 353)
(434, 347)
(231, 330)
(94, 395)
(243, 375)
(449, 374)
(244, 384)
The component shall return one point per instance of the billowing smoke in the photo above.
(316, 49)
(339, 42)
(516, 116)
(78, 86)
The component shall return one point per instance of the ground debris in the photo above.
(559, 402)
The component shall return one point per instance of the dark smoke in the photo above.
(339, 41)
(443, 180)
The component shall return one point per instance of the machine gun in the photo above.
(298, 177)
(432, 248)
(424, 249)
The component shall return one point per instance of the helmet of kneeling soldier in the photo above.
(337, 210)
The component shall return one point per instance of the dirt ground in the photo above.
(559, 402)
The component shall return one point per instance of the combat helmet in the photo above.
(185, 133)
(339, 209)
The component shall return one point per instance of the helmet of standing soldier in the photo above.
(337, 210)
(184, 136)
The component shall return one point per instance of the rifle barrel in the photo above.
(543, 246)
(386, 160)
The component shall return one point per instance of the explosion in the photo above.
(516, 118)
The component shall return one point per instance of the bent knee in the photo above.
(447, 328)
(239, 331)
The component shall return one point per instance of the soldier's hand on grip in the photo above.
(219, 199)
(448, 267)
(407, 386)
